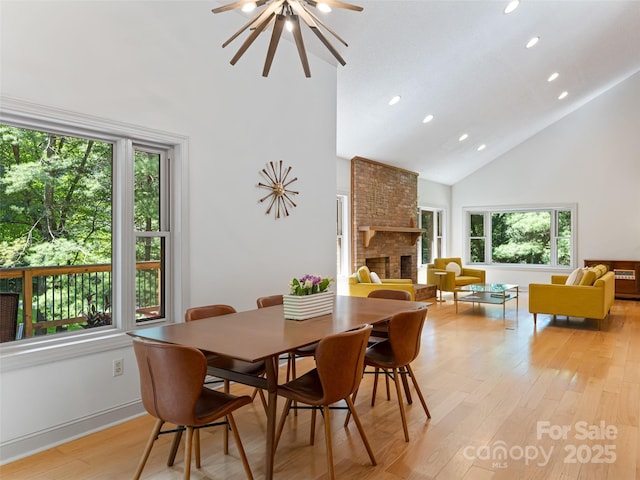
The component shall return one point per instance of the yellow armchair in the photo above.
(591, 298)
(450, 281)
(361, 284)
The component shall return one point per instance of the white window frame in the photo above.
(443, 238)
(36, 351)
(343, 221)
(488, 211)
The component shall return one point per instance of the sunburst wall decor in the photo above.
(280, 195)
(285, 14)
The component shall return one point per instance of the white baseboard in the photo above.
(38, 441)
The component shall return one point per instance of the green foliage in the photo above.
(521, 237)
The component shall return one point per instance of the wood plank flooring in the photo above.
(500, 394)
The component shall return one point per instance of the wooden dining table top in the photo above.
(256, 335)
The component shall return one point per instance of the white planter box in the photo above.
(302, 307)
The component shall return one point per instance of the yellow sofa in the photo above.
(591, 298)
(450, 281)
(360, 284)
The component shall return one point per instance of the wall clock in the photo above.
(279, 197)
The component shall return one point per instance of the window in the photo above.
(523, 236)
(431, 241)
(342, 222)
(78, 199)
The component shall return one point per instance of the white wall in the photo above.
(590, 158)
(160, 65)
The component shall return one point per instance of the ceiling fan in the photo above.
(285, 14)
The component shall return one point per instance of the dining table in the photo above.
(264, 334)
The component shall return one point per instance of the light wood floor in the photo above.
(492, 386)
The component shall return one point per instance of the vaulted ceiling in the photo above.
(465, 63)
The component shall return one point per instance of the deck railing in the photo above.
(54, 299)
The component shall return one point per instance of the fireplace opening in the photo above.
(406, 266)
(380, 265)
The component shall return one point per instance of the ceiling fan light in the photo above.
(511, 6)
(288, 25)
(249, 7)
(323, 7)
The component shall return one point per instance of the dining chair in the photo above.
(394, 357)
(219, 361)
(172, 388)
(307, 351)
(339, 365)
(8, 316)
(381, 330)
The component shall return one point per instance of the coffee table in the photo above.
(493, 293)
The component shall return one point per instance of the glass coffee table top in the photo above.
(494, 293)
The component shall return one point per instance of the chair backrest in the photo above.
(390, 294)
(171, 379)
(340, 362)
(198, 313)
(405, 329)
(441, 263)
(269, 301)
(8, 316)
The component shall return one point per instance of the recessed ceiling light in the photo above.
(533, 42)
(463, 137)
(323, 7)
(427, 119)
(553, 76)
(249, 7)
(563, 95)
(394, 100)
(512, 6)
(482, 147)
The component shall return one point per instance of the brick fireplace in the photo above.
(384, 207)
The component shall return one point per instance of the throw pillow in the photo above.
(453, 267)
(588, 278)
(575, 277)
(375, 278)
(364, 276)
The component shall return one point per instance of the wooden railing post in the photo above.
(27, 302)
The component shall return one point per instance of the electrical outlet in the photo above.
(118, 367)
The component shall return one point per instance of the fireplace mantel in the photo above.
(370, 231)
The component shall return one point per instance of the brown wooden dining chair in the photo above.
(339, 365)
(173, 391)
(381, 330)
(219, 361)
(394, 356)
(307, 351)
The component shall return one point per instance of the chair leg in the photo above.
(418, 391)
(243, 455)
(348, 416)
(375, 387)
(196, 446)
(356, 418)
(262, 399)
(396, 380)
(187, 453)
(174, 448)
(405, 383)
(147, 448)
(327, 439)
(225, 435)
(283, 418)
(312, 433)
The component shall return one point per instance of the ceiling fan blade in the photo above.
(234, 5)
(273, 44)
(258, 18)
(325, 26)
(327, 44)
(250, 39)
(297, 35)
(337, 4)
